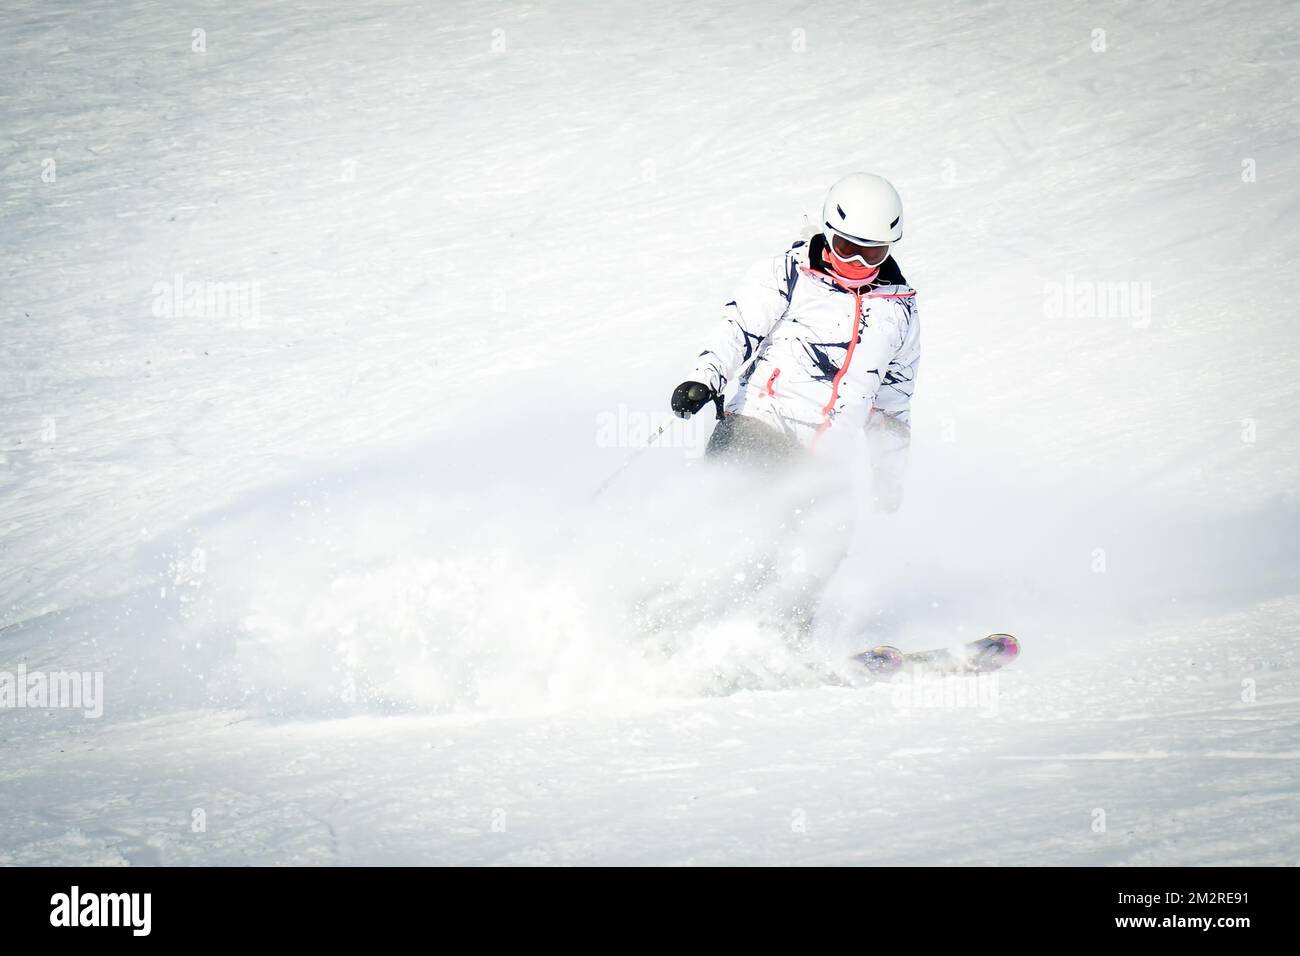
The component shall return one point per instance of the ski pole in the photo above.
(626, 462)
(717, 401)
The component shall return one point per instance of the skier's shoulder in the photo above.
(893, 305)
(784, 269)
(898, 298)
(779, 270)
(892, 290)
(891, 283)
(800, 253)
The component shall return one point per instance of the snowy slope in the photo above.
(331, 550)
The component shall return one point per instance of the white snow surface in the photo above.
(333, 556)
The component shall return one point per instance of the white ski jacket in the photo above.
(818, 357)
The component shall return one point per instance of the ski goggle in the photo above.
(848, 249)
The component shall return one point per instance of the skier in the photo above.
(824, 344)
(826, 340)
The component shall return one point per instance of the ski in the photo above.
(986, 654)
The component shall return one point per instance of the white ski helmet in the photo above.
(863, 207)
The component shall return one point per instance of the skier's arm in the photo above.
(889, 430)
(761, 299)
(894, 398)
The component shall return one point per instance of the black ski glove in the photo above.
(690, 397)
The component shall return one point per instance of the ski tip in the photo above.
(1009, 642)
(888, 651)
(882, 659)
